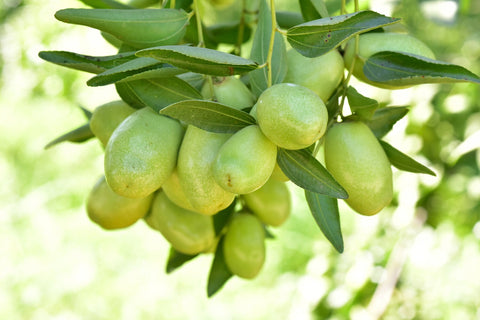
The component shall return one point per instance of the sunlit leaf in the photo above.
(403, 69)
(209, 115)
(306, 172)
(80, 134)
(219, 272)
(403, 162)
(317, 37)
(176, 259)
(360, 105)
(325, 212)
(200, 60)
(383, 120)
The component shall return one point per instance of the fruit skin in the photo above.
(244, 246)
(245, 162)
(321, 74)
(188, 232)
(107, 117)
(111, 211)
(357, 161)
(220, 4)
(372, 43)
(291, 116)
(141, 153)
(174, 191)
(278, 174)
(271, 203)
(195, 172)
(230, 91)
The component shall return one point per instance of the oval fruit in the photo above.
(271, 203)
(278, 174)
(244, 246)
(229, 91)
(195, 172)
(245, 162)
(291, 116)
(107, 117)
(321, 74)
(357, 161)
(188, 232)
(372, 43)
(174, 191)
(141, 153)
(111, 211)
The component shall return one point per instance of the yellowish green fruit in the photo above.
(320, 74)
(221, 4)
(111, 211)
(357, 161)
(291, 116)
(141, 153)
(244, 246)
(174, 191)
(271, 203)
(278, 174)
(245, 162)
(188, 232)
(230, 91)
(107, 117)
(372, 43)
(195, 173)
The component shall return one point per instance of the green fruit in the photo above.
(230, 91)
(357, 161)
(321, 74)
(111, 211)
(221, 4)
(175, 193)
(245, 162)
(372, 43)
(188, 232)
(106, 118)
(291, 116)
(271, 203)
(139, 28)
(278, 174)
(244, 246)
(195, 173)
(141, 153)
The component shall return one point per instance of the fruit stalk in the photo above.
(272, 41)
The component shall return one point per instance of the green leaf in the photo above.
(219, 272)
(177, 259)
(106, 4)
(86, 63)
(221, 218)
(156, 93)
(80, 134)
(288, 19)
(404, 69)
(200, 60)
(259, 53)
(139, 68)
(384, 118)
(325, 212)
(227, 33)
(360, 105)
(306, 172)
(317, 37)
(403, 162)
(313, 9)
(209, 115)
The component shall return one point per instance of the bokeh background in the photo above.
(417, 259)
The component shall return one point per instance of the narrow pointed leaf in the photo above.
(176, 260)
(360, 105)
(383, 120)
(219, 272)
(403, 162)
(259, 53)
(139, 68)
(403, 69)
(313, 9)
(80, 134)
(221, 218)
(200, 60)
(106, 4)
(317, 37)
(86, 63)
(87, 113)
(325, 212)
(209, 115)
(156, 93)
(306, 172)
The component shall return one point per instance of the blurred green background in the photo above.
(417, 259)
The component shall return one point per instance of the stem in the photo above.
(343, 10)
(272, 41)
(241, 28)
(201, 42)
(172, 4)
